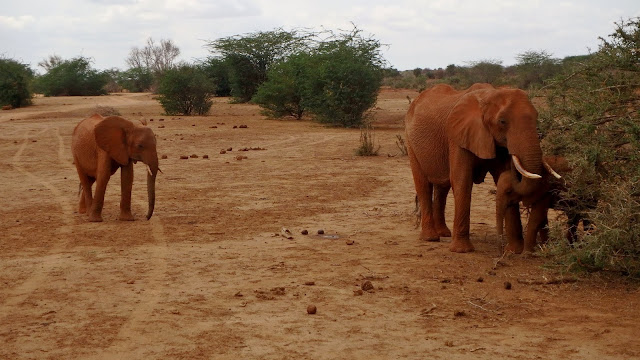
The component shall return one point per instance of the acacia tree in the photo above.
(14, 83)
(249, 57)
(534, 67)
(593, 119)
(73, 77)
(157, 58)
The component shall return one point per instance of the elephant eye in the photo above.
(139, 146)
(502, 122)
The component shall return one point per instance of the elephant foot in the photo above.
(461, 246)
(125, 216)
(82, 211)
(444, 231)
(514, 247)
(95, 218)
(430, 236)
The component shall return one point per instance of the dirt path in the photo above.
(207, 277)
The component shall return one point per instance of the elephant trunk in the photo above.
(530, 161)
(151, 186)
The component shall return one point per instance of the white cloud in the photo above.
(419, 33)
(16, 22)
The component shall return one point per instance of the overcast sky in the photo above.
(426, 33)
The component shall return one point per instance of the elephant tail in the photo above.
(416, 211)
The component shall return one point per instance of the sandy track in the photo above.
(207, 278)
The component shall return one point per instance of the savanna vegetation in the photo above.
(589, 111)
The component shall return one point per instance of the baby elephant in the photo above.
(101, 145)
(540, 201)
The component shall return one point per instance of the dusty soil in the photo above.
(210, 276)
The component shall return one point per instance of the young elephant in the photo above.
(539, 202)
(101, 145)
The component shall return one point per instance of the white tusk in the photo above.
(149, 170)
(550, 170)
(522, 171)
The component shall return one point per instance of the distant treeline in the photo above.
(530, 71)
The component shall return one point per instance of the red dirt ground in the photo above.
(207, 277)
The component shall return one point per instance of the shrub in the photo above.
(282, 93)
(218, 70)
(137, 79)
(73, 77)
(592, 118)
(367, 142)
(343, 79)
(186, 90)
(14, 83)
(249, 57)
(534, 67)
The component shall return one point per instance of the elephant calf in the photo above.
(101, 146)
(539, 202)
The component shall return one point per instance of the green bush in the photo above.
(14, 83)
(343, 79)
(186, 90)
(73, 77)
(592, 118)
(249, 57)
(218, 70)
(282, 93)
(137, 79)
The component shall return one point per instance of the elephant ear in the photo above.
(465, 127)
(111, 136)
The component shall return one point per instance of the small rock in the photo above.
(205, 156)
(194, 156)
(459, 313)
(507, 285)
(304, 232)
(310, 283)
(448, 343)
(492, 273)
(243, 126)
(164, 156)
(213, 127)
(183, 157)
(235, 126)
(34, 140)
(131, 281)
(349, 242)
(229, 149)
(150, 119)
(480, 279)
(320, 232)
(223, 151)
(357, 292)
(367, 286)
(240, 157)
(161, 127)
(311, 309)
(160, 119)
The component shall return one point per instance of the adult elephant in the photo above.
(547, 196)
(455, 137)
(101, 146)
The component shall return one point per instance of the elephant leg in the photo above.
(126, 184)
(424, 191)
(439, 202)
(102, 179)
(85, 195)
(537, 223)
(462, 184)
(513, 229)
